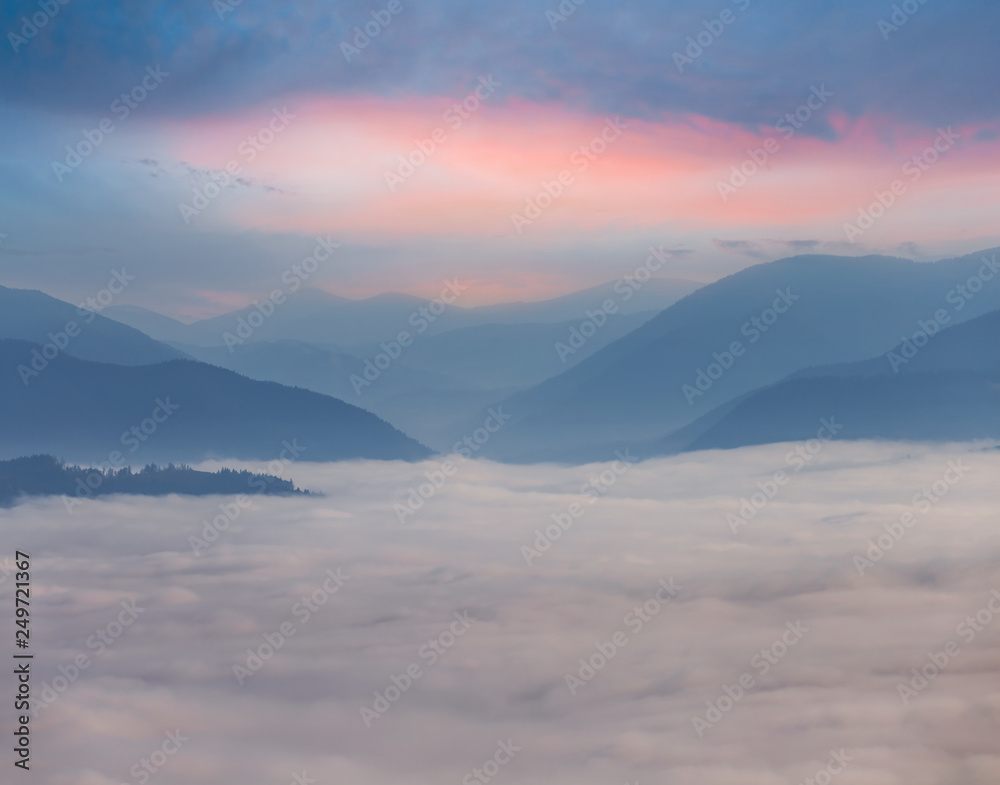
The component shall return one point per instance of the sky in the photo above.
(490, 640)
(530, 149)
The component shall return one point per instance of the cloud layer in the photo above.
(390, 594)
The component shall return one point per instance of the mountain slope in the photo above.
(315, 316)
(29, 315)
(436, 383)
(656, 379)
(423, 404)
(653, 295)
(954, 406)
(179, 411)
(154, 324)
(948, 390)
(503, 356)
(973, 345)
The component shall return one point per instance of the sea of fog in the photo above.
(741, 617)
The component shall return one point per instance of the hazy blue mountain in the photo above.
(973, 345)
(423, 404)
(842, 310)
(29, 315)
(948, 389)
(310, 316)
(84, 411)
(154, 324)
(314, 316)
(322, 369)
(44, 475)
(437, 382)
(504, 356)
(654, 295)
(952, 406)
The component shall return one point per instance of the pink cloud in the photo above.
(334, 156)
